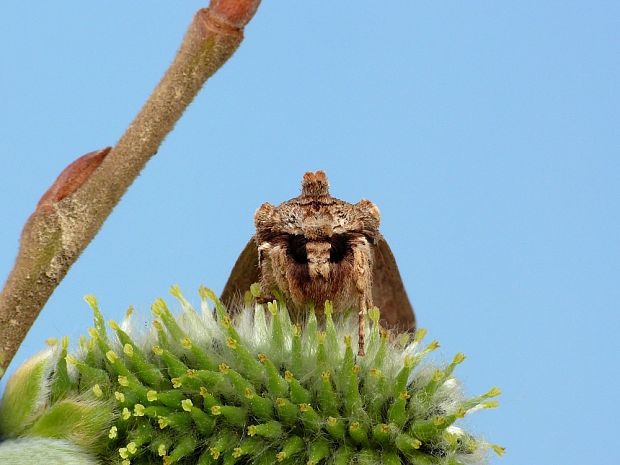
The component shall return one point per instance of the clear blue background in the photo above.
(486, 131)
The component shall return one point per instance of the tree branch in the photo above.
(71, 212)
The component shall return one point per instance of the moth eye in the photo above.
(297, 248)
(339, 248)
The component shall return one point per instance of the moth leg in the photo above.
(362, 276)
(361, 330)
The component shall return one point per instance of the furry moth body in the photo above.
(314, 248)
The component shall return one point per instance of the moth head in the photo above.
(316, 231)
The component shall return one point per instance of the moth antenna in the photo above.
(314, 184)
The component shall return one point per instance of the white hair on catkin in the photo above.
(43, 451)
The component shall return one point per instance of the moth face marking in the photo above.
(315, 248)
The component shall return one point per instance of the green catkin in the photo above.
(198, 356)
(89, 375)
(176, 368)
(220, 310)
(250, 446)
(216, 381)
(336, 428)
(367, 457)
(377, 397)
(318, 451)
(306, 399)
(419, 458)
(331, 336)
(402, 377)
(157, 411)
(61, 383)
(382, 350)
(168, 398)
(276, 384)
(222, 442)
(160, 310)
(397, 411)
(359, 433)
(205, 423)
(180, 421)
(267, 458)
(390, 457)
(160, 444)
(235, 416)
(322, 361)
(260, 407)
(344, 374)
(328, 401)
(145, 371)
(406, 443)
(343, 455)
(248, 363)
(352, 399)
(475, 401)
(209, 400)
(296, 357)
(381, 433)
(184, 447)
(425, 430)
(86, 348)
(441, 376)
(162, 337)
(287, 411)
(291, 447)
(299, 394)
(239, 383)
(271, 430)
(206, 458)
(310, 419)
(310, 335)
(277, 334)
(99, 321)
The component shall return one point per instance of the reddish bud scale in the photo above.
(73, 177)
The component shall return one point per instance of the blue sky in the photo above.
(486, 131)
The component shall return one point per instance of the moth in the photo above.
(314, 248)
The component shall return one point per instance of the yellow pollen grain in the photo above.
(97, 391)
(138, 410)
(128, 350)
(187, 405)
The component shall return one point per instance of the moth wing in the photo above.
(243, 275)
(388, 291)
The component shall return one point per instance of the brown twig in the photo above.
(71, 212)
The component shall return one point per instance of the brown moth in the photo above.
(315, 248)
